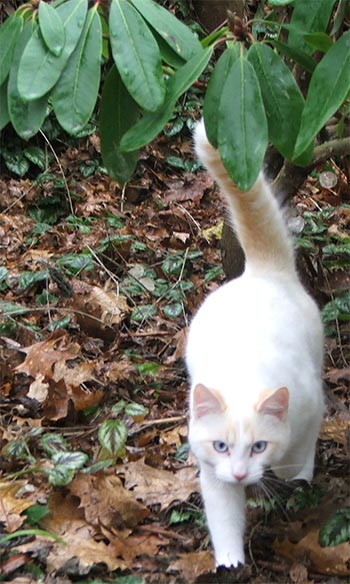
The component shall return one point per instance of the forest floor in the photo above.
(97, 288)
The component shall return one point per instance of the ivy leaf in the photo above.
(112, 436)
(336, 529)
(70, 460)
(143, 312)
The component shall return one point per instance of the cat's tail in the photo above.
(255, 214)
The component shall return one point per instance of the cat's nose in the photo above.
(240, 477)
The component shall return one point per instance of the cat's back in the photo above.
(252, 322)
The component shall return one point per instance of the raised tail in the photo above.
(255, 214)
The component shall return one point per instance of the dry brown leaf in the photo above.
(193, 565)
(12, 504)
(105, 501)
(298, 574)
(38, 389)
(137, 545)
(67, 521)
(160, 487)
(335, 429)
(42, 356)
(331, 560)
(333, 375)
(99, 312)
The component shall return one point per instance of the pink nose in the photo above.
(240, 477)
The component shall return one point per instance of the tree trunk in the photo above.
(212, 14)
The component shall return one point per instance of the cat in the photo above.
(254, 356)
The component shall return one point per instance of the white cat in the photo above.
(254, 355)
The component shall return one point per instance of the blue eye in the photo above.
(220, 446)
(259, 447)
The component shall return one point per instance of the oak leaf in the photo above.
(155, 486)
(332, 560)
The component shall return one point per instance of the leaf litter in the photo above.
(97, 325)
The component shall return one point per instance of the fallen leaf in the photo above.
(105, 501)
(42, 356)
(12, 504)
(38, 389)
(333, 375)
(335, 429)
(298, 574)
(160, 487)
(332, 561)
(193, 565)
(67, 520)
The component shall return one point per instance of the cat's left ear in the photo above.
(274, 403)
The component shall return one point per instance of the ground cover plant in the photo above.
(97, 283)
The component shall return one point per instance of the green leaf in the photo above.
(36, 156)
(9, 32)
(36, 513)
(282, 97)
(151, 124)
(308, 16)
(51, 27)
(143, 312)
(39, 69)
(320, 41)
(28, 279)
(15, 161)
(280, 2)
(242, 129)
(176, 34)
(4, 112)
(299, 57)
(76, 262)
(26, 117)
(10, 308)
(134, 409)
(74, 96)
(59, 476)
(172, 264)
(70, 460)
(118, 114)
(213, 94)
(329, 87)
(173, 310)
(53, 443)
(136, 54)
(336, 529)
(112, 436)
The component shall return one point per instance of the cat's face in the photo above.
(239, 450)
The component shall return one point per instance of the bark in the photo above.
(212, 14)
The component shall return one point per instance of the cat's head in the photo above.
(239, 446)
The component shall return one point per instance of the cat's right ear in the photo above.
(206, 402)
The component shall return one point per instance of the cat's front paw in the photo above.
(229, 559)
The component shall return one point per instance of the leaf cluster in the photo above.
(58, 56)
